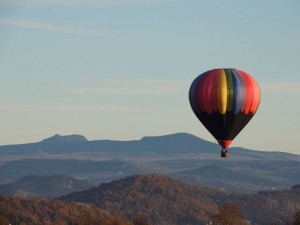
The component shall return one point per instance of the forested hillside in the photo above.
(53, 212)
(167, 201)
(151, 199)
(164, 200)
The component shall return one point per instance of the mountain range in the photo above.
(174, 143)
(171, 179)
(165, 144)
(181, 156)
(178, 143)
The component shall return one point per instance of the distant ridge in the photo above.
(183, 143)
(172, 143)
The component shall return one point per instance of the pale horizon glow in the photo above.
(122, 69)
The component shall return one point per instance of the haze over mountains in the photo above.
(44, 186)
(181, 156)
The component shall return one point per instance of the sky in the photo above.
(121, 69)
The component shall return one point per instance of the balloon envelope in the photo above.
(224, 100)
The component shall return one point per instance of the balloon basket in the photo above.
(224, 153)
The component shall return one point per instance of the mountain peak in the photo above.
(170, 136)
(177, 142)
(66, 138)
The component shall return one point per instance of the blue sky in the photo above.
(112, 69)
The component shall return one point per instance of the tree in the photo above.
(3, 220)
(296, 218)
(84, 218)
(140, 219)
(229, 214)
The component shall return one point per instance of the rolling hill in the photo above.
(162, 199)
(167, 201)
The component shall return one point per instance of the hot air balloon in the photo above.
(224, 101)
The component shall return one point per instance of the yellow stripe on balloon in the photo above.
(222, 93)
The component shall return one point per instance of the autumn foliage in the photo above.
(49, 212)
(155, 200)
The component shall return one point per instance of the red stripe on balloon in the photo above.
(202, 93)
(256, 98)
(214, 90)
(208, 93)
(256, 95)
